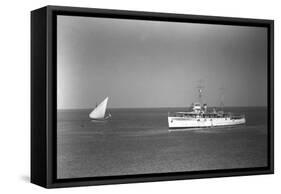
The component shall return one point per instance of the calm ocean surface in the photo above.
(138, 141)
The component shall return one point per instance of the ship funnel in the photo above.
(205, 107)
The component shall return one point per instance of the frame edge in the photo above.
(38, 97)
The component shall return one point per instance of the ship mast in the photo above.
(222, 89)
(200, 88)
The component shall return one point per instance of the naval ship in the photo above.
(200, 116)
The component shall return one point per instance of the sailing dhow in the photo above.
(99, 112)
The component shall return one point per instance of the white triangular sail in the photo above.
(99, 111)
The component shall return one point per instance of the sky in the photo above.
(158, 64)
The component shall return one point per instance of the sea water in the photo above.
(138, 141)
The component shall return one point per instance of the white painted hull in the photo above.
(187, 122)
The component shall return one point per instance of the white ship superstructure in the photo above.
(201, 117)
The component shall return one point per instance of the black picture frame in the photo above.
(43, 96)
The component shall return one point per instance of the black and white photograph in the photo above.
(145, 97)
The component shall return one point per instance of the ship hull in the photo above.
(185, 122)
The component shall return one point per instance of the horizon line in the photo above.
(260, 106)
